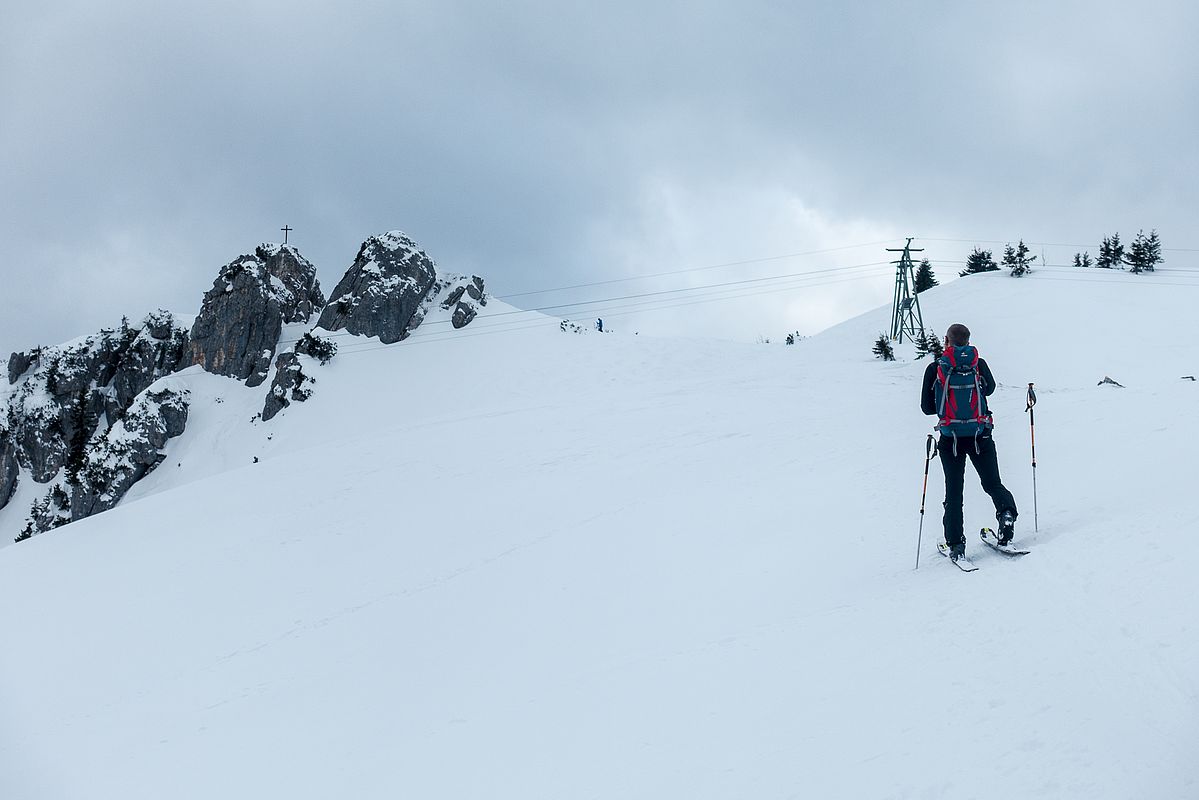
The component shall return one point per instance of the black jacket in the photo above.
(928, 400)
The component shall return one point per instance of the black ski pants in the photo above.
(986, 464)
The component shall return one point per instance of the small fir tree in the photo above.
(933, 343)
(1111, 253)
(882, 348)
(82, 422)
(979, 261)
(319, 348)
(1023, 259)
(1143, 253)
(1017, 259)
(928, 344)
(52, 375)
(925, 279)
(1135, 257)
(1086, 260)
(1153, 251)
(59, 497)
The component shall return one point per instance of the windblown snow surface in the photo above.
(517, 562)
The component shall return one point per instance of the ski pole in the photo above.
(1032, 432)
(930, 447)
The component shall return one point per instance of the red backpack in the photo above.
(961, 404)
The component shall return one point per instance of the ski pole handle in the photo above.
(930, 447)
(1032, 423)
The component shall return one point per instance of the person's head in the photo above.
(958, 335)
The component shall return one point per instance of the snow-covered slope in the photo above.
(513, 561)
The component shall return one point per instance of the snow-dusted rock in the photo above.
(290, 377)
(73, 385)
(243, 313)
(287, 385)
(159, 349)
(35, 427)
(382, 292)
(465, 297)
(160, 324)
(18, 363)
(128, 450)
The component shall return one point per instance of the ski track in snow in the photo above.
(536, 564)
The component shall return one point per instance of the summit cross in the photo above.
(286, 229)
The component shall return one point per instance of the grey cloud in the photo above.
(143, 146)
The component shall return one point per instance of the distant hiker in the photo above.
(955, 390)
(599, 325)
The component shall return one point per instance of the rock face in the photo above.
(68, 389)
(383, 291)
(9, 469)
(18, 363)
(465, 297)
(290, 377)
(128, 450)
(287, 385)
(159, 349)
(90, 418)
(243, 313)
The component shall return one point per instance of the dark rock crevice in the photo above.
(129, 450)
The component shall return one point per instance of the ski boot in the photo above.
(956, 551)
(1007, 528)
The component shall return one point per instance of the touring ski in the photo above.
(991, 540)
(962, 563)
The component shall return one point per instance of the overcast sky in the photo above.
(143, 145)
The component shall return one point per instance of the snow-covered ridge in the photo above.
(621, 566)
(67, 399)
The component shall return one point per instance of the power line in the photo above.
(659, 293)
(657, 303)
(697, 269)
(515, 325)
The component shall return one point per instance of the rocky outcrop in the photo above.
(89, 420)
(128, 450)
(290, 378)
(35, 422)
(465, 296)
(287, 386)
(69, 390)
(18, 363)
(160, 348)
(9, 468)
(243, 313)
(383, 292)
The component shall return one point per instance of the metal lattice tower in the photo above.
(905, 313)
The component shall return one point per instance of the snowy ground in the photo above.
(513, 562)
